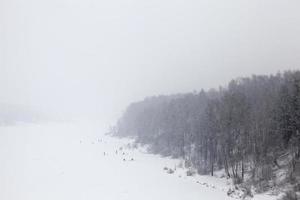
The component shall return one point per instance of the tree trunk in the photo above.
(243, 170)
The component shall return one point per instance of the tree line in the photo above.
(244, 127)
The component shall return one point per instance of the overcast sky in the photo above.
(94, 57)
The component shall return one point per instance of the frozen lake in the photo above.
(77, 161)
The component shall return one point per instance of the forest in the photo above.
(250, 128)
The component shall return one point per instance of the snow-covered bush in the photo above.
(290, 195)
(190, 172)
(170, 171)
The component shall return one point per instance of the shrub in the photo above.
(170, 171)
(290, 195)
(190, 172)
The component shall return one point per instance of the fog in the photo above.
(92, 58)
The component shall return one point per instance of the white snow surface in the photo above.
(77, 161)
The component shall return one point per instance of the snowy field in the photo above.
(76, 161)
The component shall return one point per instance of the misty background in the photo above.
(92, 58)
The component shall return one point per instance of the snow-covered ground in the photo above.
(76, 161)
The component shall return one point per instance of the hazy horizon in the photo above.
(92, 58)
